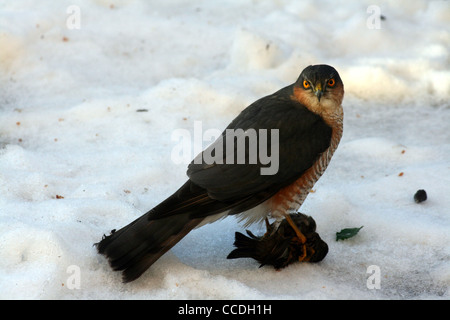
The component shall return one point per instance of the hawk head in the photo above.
(320, 89)
(321, 81)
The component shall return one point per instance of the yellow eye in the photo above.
(306, 84)
(331, 82)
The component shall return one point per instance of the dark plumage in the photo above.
(280, 247)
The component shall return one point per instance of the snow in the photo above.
(77, 159)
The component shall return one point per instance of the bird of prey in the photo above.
(308, 118)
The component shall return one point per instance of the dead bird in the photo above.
(280, 245)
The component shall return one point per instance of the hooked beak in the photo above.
(318, 91)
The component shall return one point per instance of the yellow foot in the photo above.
(303, 256)
(299, 234)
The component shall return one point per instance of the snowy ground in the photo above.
(77, 159)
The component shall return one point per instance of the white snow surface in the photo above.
(77, 160)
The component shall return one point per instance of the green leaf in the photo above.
(347, 233)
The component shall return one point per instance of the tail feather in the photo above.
(266, 250)
(134, 248)
(245, 246)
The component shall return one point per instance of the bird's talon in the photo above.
(299, 234)
(303, 256)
